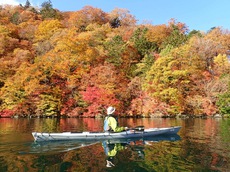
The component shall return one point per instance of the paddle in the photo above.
(137, 128)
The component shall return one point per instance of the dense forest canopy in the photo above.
(77, 63)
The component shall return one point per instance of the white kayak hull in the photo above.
(104, 135)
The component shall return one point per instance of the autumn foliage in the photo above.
(78, 63)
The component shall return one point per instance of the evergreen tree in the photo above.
(47, 10)
(27, 4)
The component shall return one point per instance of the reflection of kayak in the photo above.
(105, 135)
(158, 138)
(65, 146)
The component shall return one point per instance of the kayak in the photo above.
(131, 133)
(67, 145)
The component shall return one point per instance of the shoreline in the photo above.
(136, 116)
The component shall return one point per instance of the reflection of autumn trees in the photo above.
(51, 61)
(210, 149)
(187, 155)
(204, 145)
(158, 156)
(90, 159)
(164, 156)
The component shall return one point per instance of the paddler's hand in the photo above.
(126, 128)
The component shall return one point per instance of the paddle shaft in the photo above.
(138, 128)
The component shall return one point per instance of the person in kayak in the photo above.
(110, 122)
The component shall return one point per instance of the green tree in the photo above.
(47, 11)
(115, 48)
(27, 4)
(15, 18)
(144, 66)
(194, 33)
(115, 22)
(223, 101)
(141, 43)
(176, 37)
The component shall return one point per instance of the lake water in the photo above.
(201, 145)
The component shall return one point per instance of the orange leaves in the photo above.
(88, 15)
(27, 15)
(21, 56)
(7, 43)
(90, 59)
(126, 19)
(26, 30)
(158, 34)
(199, 105)
(94, 15)
(182, 27)
(221, 37)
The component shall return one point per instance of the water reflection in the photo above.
(91, 155)
(54, 147)
(203, 146)
(112, 147)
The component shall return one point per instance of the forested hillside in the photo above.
(78, 63)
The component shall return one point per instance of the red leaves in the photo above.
(68, 106)
(145, 105)
(7, 113)
(98, 99)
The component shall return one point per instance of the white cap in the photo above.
(110, 110)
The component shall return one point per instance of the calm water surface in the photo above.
(201, 145)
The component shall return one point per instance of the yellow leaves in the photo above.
(23, 80)
(83, 41)
(92, 27)
(79, 46)
(4, 30)
(13, 92)
(62, 64)
(222, 64)
(66, 41)
(221, 60)
(165, 81)
(169, 92)
(47, 29)
(4, 33)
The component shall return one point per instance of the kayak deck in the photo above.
(103, 135)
